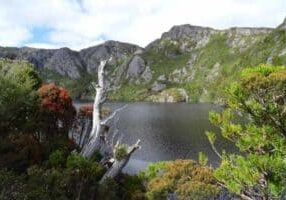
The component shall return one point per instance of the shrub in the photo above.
(259, 172)
(19, 151)
(56, 110)
(18, 99)
(121, 151)
(183, 178)
(57, 159)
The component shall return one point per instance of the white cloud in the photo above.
(43, 45)
(82, 23)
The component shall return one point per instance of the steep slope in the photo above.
(75, 70)
(202, 61)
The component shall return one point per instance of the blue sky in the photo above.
(78, 24)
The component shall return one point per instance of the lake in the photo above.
(167, 132)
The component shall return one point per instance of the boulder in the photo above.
(136, 67)
(147, 74)
(171, 95)
(157, 86)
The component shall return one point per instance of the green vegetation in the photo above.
(78, 88)
(184, 179)
(164, 64)
(18, 98)
(269, 46)
(36, 159)
(259, 172)
(121, 151)
(129, 93)
(213, 66)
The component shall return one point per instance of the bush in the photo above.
(56, 110)
(259, 172)
(19, 151)
(121, 151)
(18, 99)
(57, 159)
(84, 167)
(183, 178)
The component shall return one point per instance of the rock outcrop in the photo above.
(171, 95)
(69, 63)
(135, 68)
(283, 25)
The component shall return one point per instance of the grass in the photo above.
(163, 64)
(129, 93)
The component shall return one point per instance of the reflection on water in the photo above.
(167, 132)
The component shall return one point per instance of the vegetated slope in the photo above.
(188, 63)
(202, 61)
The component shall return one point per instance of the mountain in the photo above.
(188, 63)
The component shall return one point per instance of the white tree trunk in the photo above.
(118, 165)
(93, 143)
(97, 140)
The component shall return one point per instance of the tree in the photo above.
(99, 138)
(56, 110)
(259, 171)
(18, 99)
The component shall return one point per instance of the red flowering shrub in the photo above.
(86, 111)
(56, 109)
(55, 99)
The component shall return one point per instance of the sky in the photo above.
(79, 24)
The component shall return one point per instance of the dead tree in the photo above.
(100, 139)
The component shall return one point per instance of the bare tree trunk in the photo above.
(98, 140)
(118, 165)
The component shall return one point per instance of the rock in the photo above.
(157, 86)
(66, 62)
(136, 67)
(241, 37)
(269, 60)
(147, 74)
(71, 63)
(179, 75)
(283, 52)
(162, 78)
(118, 50)
(171, 95)
(214, 72)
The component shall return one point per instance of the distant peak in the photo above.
(184, 30)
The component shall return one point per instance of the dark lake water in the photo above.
(168, 132)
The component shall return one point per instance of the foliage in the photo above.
(56, 110)
(183, 178)
(86, 111)
(260, 171)
(80, 88)
(19, 151)
(121, 151)
(18, 100)
(163, 63)
(11, 185)
(129, 92)
(203, 159)
(85, 167)
(57, 159)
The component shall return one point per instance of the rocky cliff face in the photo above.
(198, 60)
(69, 63)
